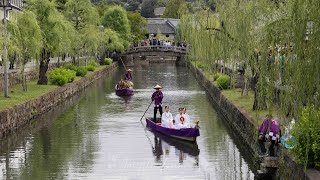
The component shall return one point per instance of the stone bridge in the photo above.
(155, 54)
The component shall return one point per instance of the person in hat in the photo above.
(128, 75)
(157, 97)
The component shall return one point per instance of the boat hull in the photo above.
(124, 92)
(187, 134)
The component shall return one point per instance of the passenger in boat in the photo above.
(187, 118)
(157, 97)
(173, 124)
(274, 134)
(180, 119)
(128, 75)
(167, 118)
(263, 131)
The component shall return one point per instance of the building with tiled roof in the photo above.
(166, 26)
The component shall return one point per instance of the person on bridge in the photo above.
(157, 97)
(128, 75)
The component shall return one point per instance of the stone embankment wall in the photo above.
(18, 115)
(246, 129)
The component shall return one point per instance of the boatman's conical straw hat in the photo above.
(157, 87)
(129, 70)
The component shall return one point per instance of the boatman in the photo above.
(157, 97)
(128, 75)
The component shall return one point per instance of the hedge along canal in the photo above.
(16, 116)
(246, 129)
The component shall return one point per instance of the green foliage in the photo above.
(91, 68)
(216, 76)
(201, 66)
(53, 25)
(107, 61)
(113, 41)
(61, 76)
(84, 19)
(132, 5)
(81, 71)
(137, 22)
(70, 66)
(175, 9)
(115, 18)
(93, 63)
(223, 82)
(307, 135)
(147, 8)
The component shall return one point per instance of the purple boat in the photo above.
(124, 92)
(187, 134)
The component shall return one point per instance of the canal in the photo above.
(98, 135)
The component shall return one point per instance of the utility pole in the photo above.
(5, 54)
(7, 5)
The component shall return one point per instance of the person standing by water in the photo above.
(157, 97)
(274, 134)
(128, 75)
(263, 131)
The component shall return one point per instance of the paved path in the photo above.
(33, 65)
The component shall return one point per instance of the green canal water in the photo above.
(98, 135)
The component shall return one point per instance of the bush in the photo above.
(71, 67)
(223, 82)
(93, 63)
(306, 133)
(91, 68)
(81, 71)
(60, 76)
(107, 61)
(201, 66)
(216, 76)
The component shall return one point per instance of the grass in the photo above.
(17, 96)
(244, 102)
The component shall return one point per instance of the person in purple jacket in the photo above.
(157, 97)
(128, 75)
(274, 134)
(263, 130)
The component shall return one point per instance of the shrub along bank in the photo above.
(68, 73)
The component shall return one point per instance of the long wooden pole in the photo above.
(123, 64)
(146, 110)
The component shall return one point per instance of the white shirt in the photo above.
(166, 119)
(187, 120)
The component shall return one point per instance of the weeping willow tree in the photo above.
(277, 42)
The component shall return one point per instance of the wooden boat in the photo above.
(124, 92)
(190, 148)
(187, 134)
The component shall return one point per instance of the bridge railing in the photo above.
(176, 49)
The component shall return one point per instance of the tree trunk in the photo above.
(245, 87)
(255, 101)
(44, 64)
(58, 65)
(24, 82)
